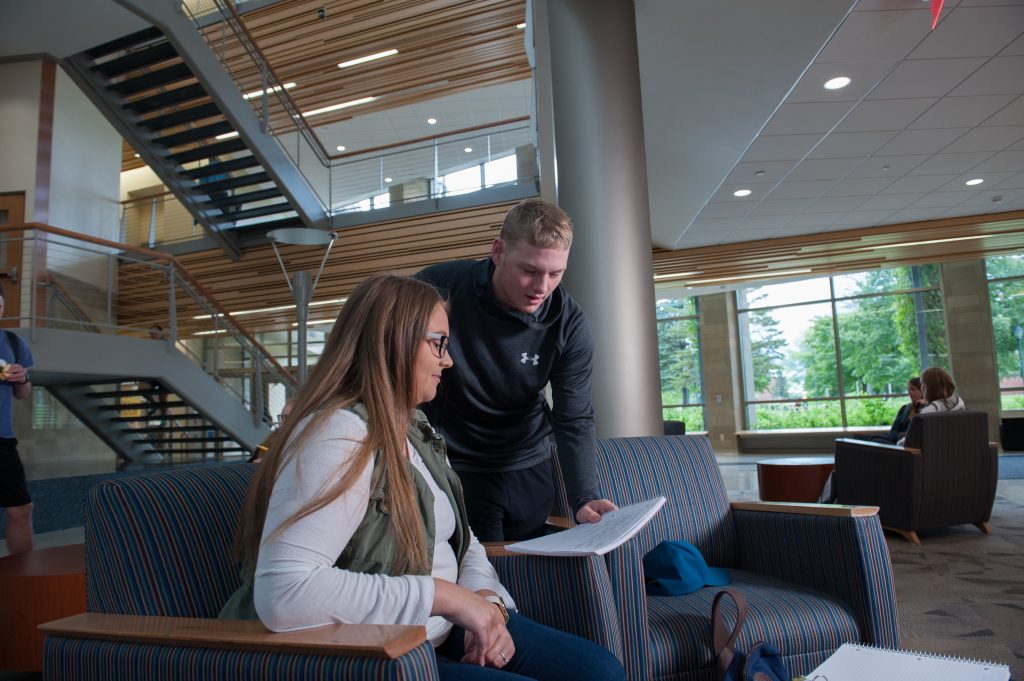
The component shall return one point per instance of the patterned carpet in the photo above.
(962, 592)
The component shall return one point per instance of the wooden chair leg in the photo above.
(909, 535)
(984, 527)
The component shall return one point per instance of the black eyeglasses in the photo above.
(439, 341)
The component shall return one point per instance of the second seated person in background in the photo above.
(902, 421)
(354, 515)
(938, 393)
(516, 329)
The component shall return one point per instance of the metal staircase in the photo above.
(204, 143)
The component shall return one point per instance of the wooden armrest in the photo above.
(342, 640)
(805, 509)
(878, 445)
(561, 522)
(496, 549)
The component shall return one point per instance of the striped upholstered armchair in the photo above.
(814, 577)
(158, 569)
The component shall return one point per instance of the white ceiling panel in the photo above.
(795, 119)
(807, 189)
(863, 218)
(813, 221)
(927, 78)
(888, 166)
(860, 186)
(1000, 76)
(1003, 162)
(823, 168)
(972, 32)
(912, 215)
(871, 5)
(920, 141)
(1017, 46)
(955, 112)
(883, 35)
(726, 210)
(940, 164)
(885, 114)
(771, 171)
(889, 202)
(939, 200)
(917, 184)
(863, 76)
(714, 224)
(1012, 114)
(1015, 182)
(835, 204)
(988, 139)
(851, 144)
(780, 148)
(1006, 200)
(990, 180)
(775, 207)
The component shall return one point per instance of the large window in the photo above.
(682, 387)
(1006, 296)
(838, 351)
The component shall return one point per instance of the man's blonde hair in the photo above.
(539, 224)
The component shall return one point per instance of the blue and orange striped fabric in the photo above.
(812, 582)
(95, 660)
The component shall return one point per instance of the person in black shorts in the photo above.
(14, 385)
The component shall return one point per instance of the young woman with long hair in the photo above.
(355, 516)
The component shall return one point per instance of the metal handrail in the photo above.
(177, 278)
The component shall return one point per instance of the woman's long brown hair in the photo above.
(368, 358)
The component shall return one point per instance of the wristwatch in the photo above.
(500, 603)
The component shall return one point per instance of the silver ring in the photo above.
(503, 658)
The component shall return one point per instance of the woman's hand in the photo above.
(487, 639)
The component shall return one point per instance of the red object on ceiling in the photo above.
(936, 10)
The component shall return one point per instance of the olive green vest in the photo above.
(373, 548)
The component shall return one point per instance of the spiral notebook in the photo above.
(855, 662)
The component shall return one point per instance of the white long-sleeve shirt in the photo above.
(296, 584)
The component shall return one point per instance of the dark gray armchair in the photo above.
(945, 475)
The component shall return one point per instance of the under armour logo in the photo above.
(531, 360)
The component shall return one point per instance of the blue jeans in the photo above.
(542, 653)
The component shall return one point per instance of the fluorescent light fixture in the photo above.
(369, 57)
(318, 321)
(677, 275)
(431, 121)
(209, 333)
(276, 308)
(387, 179)
(340, 147)
(761, 275)
(740, 193)
(975, 182)
(521, 26)
(227, 135)
(928, 241)
(837, 83)
(468, 149)
(275, 88)
(335, 107)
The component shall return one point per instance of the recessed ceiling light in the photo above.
(276, 88)
(137, 156)
(387, 179)
(369, 57)
(341, 147)
(468, 149)
(335, 107)
(837, 83)
(759, 173)
(740, 193)
(975, 182)
(521, 26)
(431, 121)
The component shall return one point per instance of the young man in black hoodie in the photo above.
(514, 329)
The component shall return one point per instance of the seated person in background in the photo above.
(938, 393)
(355, 515)
(902, 422)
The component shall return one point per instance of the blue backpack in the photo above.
(763, 662)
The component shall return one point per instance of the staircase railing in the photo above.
(342, 179)
(120, 289)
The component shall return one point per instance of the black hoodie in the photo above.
(490, 405)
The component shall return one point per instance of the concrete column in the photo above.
(720, 352)
(590, 60)
(971, 343)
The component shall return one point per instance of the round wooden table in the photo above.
(36, 587)
(798, 478)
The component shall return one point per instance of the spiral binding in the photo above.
(934, 656)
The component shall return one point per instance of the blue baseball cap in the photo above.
(674, 568)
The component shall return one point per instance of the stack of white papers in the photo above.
(594, 539)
